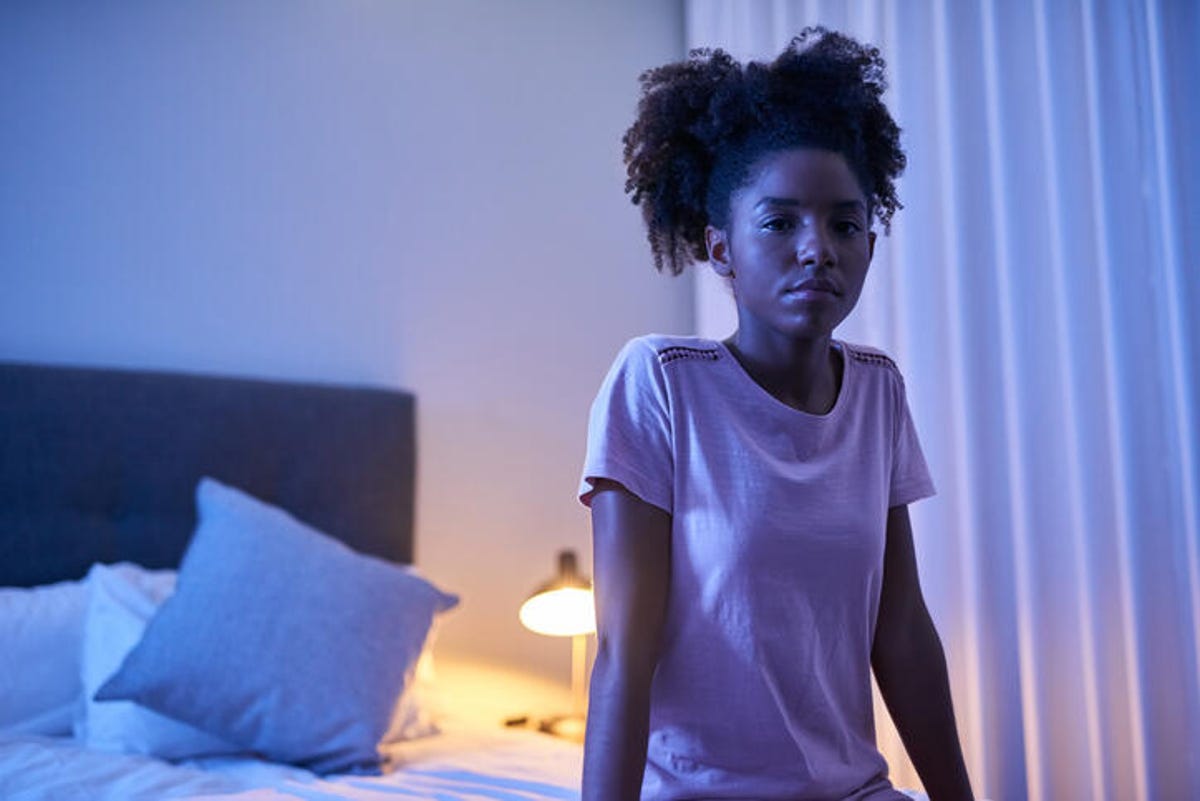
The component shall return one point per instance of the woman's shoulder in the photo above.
(873, 368)
(869, 356)
(670, 348)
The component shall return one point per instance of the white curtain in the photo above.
(1041, 291)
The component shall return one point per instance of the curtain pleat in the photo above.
(1040, 292)
(1087, 754)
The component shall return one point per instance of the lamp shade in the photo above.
(563, 606)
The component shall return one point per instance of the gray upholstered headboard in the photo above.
(101, 465)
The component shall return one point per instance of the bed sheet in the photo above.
(471, 764)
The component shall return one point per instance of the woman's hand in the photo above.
(631, 563)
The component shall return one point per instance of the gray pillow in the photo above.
(281, 639)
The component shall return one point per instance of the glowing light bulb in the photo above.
(563, 612)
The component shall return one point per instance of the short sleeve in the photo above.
(910, 480)
(629, 429)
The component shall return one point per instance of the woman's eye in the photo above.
(847, 227)
(777, 224)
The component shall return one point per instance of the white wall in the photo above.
(414, 194)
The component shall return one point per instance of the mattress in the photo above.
(468, 760)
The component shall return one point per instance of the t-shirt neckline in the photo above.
(770, 400)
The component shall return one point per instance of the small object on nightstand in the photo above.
(568, 727)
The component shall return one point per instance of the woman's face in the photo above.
(797, 246)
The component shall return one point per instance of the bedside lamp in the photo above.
(564, 607)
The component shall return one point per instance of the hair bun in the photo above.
(704, 121)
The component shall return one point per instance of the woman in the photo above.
(752, 552)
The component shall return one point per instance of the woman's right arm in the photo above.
(631, 562)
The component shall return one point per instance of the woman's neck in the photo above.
(804, 374)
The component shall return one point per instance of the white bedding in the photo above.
(467, 761)
(474, 757)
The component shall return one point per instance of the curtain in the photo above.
(1040, 292)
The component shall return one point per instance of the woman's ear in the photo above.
(717, 243)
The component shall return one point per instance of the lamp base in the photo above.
(568, 727)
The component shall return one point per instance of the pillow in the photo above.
(416, 714)
(40, 628)
(280, 639)
(121, 599)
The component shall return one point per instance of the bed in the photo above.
(149, 521)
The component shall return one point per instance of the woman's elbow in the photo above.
(903, 641)
(622, 665)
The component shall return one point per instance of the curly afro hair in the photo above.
(704, 123)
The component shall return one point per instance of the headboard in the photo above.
(101, 465)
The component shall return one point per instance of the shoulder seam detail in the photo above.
(673, 353)
(878, 359)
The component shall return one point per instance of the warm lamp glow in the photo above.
(565, 607)
(564, 612)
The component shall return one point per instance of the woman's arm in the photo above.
(910, 669)
(631, 543)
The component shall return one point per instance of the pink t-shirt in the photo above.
(763, 684)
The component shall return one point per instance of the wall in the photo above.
(421, 194)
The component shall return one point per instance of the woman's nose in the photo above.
(814, 249)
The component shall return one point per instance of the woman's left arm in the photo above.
(910, 669)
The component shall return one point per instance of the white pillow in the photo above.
(121, 600)
(40, 628)
(416, 713)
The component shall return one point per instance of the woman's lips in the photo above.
(811, 290)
